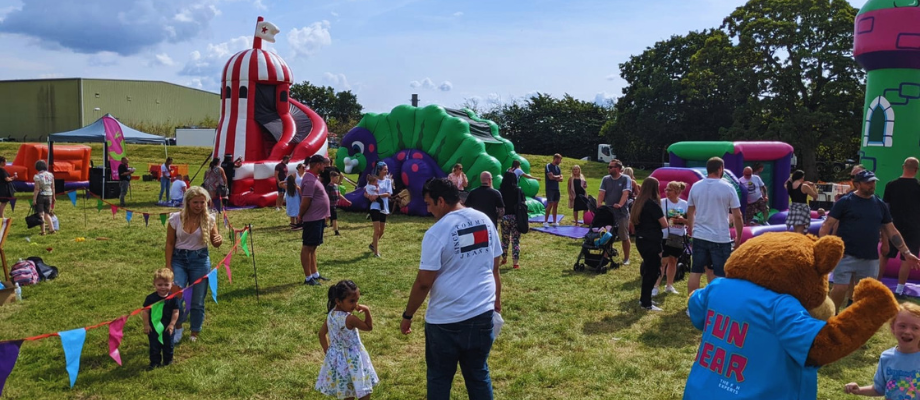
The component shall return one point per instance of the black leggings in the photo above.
(650, 250)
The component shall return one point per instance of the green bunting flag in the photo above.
(156, 317)
(30, 203)
(163, 219)
(243, 243)
(98, 204)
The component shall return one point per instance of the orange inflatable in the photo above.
(71, 163)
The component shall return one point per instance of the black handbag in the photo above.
(522, 218)
(673, 241)
(34, 220)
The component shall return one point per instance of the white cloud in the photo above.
(50, 76)
(205, 68)
(612, 77)
(445, 86)
(124, 27)
(308, 40)
(163, 59)
(338, 81)
(458, 14)
(426, 83)
(334, 14)
(604, 99)
(259, 6)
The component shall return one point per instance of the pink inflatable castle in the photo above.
(260, 123)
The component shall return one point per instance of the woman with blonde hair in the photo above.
(675, 210)
(577, 186)
(187, 236)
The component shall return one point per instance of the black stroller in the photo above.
(597, 252)
(685, 261)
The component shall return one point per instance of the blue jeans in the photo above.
(710, 254)
(467, 342)
(188, 266)
(164, 188)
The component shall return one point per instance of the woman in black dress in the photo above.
(577, 199)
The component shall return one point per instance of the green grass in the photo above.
(567, 335)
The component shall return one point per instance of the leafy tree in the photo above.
(328, 103)
(656, 108)
(808, 90)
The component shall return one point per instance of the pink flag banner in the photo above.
(116, 143)
(115, 334)
(226, 263)
(114, 211)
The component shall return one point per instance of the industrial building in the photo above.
(30, 110)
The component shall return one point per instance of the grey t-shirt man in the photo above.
(613, 191)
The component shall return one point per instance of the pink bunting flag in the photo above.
(115, 334)
(114, 211)
(226, 263)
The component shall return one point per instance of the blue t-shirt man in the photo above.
(552, 169)
(860, 221)
(754, 346)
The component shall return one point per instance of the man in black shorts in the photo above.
(314, 208)
(902, 196)
(553, 177)
(281, 173)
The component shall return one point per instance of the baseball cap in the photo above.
(865, 176)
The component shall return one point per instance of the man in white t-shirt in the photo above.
(708, 205)
(459, 267)
(757, 198)
(177, 190)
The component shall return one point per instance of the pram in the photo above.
(597, 250)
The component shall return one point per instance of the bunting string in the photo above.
(72, 340)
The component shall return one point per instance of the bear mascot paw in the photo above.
(759, 340)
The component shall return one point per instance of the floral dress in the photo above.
(347, 370)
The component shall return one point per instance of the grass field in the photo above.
(567, 335)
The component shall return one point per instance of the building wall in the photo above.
(30, 110)
(149, 104)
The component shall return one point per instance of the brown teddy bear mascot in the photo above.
(759, 341)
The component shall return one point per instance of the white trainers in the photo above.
(688, 312)
(654, 292)
(555, 224)
(670, 289)
(546, 224)
(654, 308)
(626, 262)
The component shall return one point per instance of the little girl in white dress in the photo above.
(347, 371)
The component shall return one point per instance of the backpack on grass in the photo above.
(24, 273)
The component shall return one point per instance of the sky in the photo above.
(448, 52)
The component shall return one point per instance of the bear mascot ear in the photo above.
(828, 252)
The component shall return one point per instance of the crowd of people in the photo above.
(462, 282)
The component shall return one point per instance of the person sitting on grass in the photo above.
(177, 191)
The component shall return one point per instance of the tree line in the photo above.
(773, 70)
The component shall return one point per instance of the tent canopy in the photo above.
(95, 132)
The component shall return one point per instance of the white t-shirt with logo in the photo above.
(672, 210)
(752, 188)
(713, 199)
(461, 247)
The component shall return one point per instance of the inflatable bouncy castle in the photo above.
(422, 143)
(887, 44)
(260, 123)
(71, 164)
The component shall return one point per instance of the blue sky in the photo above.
(446, 51)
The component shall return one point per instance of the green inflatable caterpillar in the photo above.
(420, 143)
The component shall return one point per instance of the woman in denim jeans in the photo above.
(165, 175)
(187, 237)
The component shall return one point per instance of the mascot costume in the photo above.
(759, 340)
